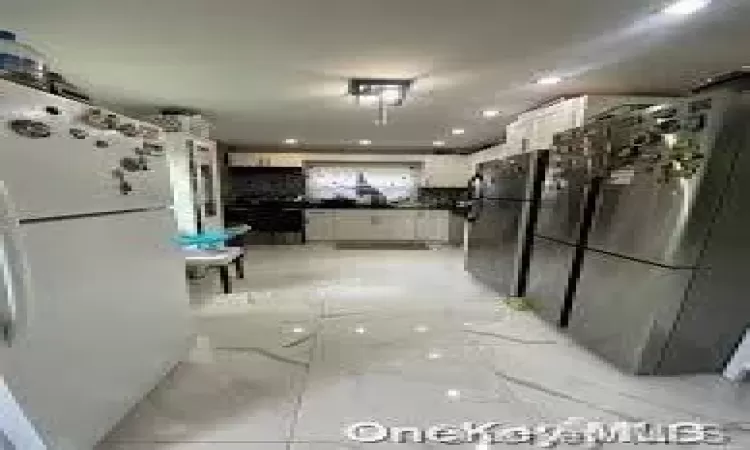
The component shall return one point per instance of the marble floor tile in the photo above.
(323, 446)
(327, 338)
(219, 396)
(421, 393)
(192, 446)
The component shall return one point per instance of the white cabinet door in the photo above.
(422, 226)
(433, 226)
(446, 171)
(319, 225)
(395, 225)
(285, 160)
(441, 228)
(209, 184)
(354, 225)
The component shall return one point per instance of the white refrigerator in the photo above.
(93, 300)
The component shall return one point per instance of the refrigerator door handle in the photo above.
(13, 273)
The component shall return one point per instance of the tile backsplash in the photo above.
(442, 197)
(268, 183)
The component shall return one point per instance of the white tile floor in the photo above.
(399, 337)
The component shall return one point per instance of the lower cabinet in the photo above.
(354, 225)
(433, 225)
(319, 225)
(377, 225)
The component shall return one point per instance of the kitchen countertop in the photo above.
(316, 205)
(388, 207)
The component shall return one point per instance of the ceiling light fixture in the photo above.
(291, 141)
(490, 113)
(685, 7)
(550, 80)
(453, 393)
(434, 355)
(438, 143)
(386, 92)
(365, 142)
(458, 131)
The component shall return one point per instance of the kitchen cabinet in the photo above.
(285, 160)
(378, 225)
(195, 183)
(353, 225)
(535, 129)
(433, 226)
(374, 225)
(319, 225)
(446, 171)
(266, 159)
(395, 225)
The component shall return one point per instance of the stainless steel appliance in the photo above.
(502, 213)
(93, 301)
(566, 201)
(656, 282)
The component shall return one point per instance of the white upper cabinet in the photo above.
(195, 181)
(266, 159)
(446, 171)
(535, 129)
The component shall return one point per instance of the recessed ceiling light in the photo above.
(298, 330)
(549, 80)
(438, 143)
(685, 7)
(291, 141)
(453, 393)
(458, 131)
(490, 113)
(365, 142)
(360, 330)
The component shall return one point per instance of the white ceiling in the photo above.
(265, 70)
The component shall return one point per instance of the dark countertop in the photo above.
(388, 207)
(316, 205)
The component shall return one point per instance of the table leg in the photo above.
(225, 282)
(240, 266)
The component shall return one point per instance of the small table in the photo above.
(218, 258)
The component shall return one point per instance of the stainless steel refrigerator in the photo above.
(646, 266)
(566, 202)
(502, 215)
(663, 283)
